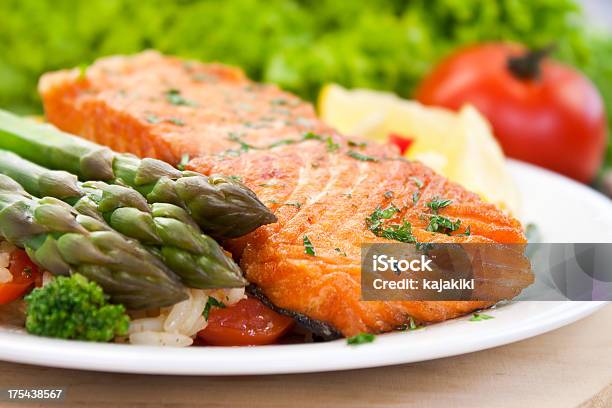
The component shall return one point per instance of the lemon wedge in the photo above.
(459, 145)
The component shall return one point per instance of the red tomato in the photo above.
(403, 142)
(247, 323)
(541, 111)
(25, 276)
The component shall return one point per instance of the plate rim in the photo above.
(26, 349)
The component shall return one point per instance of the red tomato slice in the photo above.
(403, 142)
(25, 276)
(247, 323)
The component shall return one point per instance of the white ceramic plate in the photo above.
(564, 210)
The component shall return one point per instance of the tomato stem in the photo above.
(527, 66)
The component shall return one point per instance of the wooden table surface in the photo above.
(569, 367)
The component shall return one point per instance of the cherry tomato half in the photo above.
(247, 323)
(25, 276)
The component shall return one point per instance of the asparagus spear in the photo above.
(222, 206)
(63, 242)
(198, 260)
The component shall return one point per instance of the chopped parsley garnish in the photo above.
(411, 325)
(281, 143)
(341, 252)
(478, 317)
(388, 194)
(398, 232)
(438, 223)
(375, 221)
(236, 178)
(210, 303)
(294, 204)
(361, 338)
(154, 119)
(357, 144)
(467, 232)
(308, 248)
(312, 136)
(359, 156)
(415, 196)
(176, 121)
(417, 182)
(244, 147)
(401, 233)
(174, 97)
(331, 145)
(438, 203)
(183, 162)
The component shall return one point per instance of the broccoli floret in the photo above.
(74, 308)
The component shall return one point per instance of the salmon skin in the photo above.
(321, 185)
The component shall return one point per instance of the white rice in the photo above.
(176, 326)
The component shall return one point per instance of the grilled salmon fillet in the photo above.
(321, 185)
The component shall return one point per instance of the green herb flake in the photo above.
(236, 178)
(415, 196)
(438, 223)
(235, 137)
(375, 221)
(281, 143)
(401, 232)
(176, 121)
(210, 303)
(361, 145)
(173, 96)
(388, 194)
(359, 156)
(294, 204)
(312, 136)
(153, 119)
(437, 203)
(417, 182)
(398, 232)
(411, 325)
(466, 233)
(339, 251)
(331, 145)
(183, 162)
(479, 317)
(308, 247)
(361, 338)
